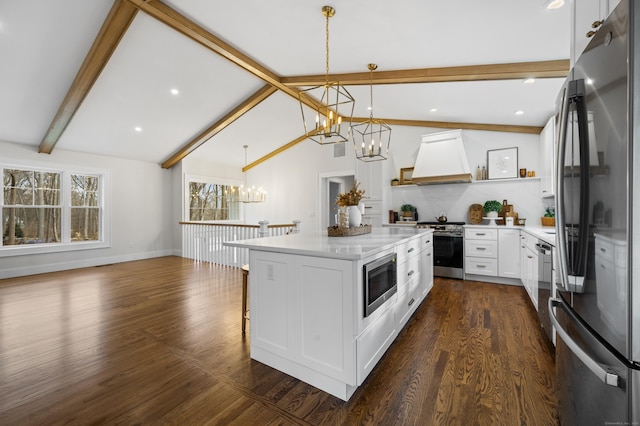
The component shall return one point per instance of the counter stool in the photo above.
(245, 291)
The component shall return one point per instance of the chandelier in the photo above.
(336, 104)
(371, 138)
(246, 194)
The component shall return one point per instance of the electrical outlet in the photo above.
(270, 272)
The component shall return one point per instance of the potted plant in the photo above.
(349, 201)
(492, 208)
(407, 210)
(549, 218)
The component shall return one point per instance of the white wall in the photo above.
(291, 180)
(455, 199)
(141, 211)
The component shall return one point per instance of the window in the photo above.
(85, 208)
(50, 210)
(211, 201)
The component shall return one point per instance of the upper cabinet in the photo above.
(586, 18)
(547, 158)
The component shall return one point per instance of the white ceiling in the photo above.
(43, 44)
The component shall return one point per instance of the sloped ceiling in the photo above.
(43, 45)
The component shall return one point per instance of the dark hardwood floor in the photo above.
(159, 342)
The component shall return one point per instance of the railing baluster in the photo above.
(203, 242)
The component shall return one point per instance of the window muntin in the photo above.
(52, 210)
(211, 201)
(25, 219)
(85, 208)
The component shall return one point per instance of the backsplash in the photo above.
(455, 199)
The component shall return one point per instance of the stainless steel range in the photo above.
(448, 248)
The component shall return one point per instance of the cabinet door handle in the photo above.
(603, 250)
(428, 254)
(480, 234)
(411, 301)
(411, 272)
(481, 248)
(427, 242)
(530, 257)
(596, 24)
(482, 266)
(410, 250)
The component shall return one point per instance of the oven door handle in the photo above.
(447, 234)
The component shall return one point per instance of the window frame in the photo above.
(104, 189)
(188, 178)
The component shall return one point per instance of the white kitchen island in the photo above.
(307, 302)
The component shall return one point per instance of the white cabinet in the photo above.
(547, 158)
(372, 212)
(427, 264)
(509, 253)
(586, 17)
(481, 251)
(369, 175)
(299, 307)
(529, 262)
(409, 281)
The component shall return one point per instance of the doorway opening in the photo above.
(331, 184)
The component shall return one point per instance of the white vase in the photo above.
(355, 216)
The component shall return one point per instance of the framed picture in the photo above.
(502, 163)
(405, 175)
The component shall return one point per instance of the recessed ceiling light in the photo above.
(530, 81)
(175, 92)
(138, 129)
(589, 81)
(519, 112)
(554, 4)
(433, 110)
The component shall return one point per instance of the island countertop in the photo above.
(321, 245)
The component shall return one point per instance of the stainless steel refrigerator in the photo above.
(596, 312)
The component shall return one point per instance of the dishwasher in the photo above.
(545, 276)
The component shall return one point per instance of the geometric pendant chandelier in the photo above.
(331, 119)
(371, 138)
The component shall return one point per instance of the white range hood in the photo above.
(441, 159)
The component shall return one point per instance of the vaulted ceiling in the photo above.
(83, 75)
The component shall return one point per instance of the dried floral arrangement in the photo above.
(351, 198)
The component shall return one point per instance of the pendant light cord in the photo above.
(327, 50)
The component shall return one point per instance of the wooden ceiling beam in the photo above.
(416, 123)
(113, 29)
(458, 125)
(518, 70)
(263, 93)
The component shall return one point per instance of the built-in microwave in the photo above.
(380, 282)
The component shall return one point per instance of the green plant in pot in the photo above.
(492, 208)
(407, 210)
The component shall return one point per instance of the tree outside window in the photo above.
(50, 207)
(85, 208)
(210, 201)
(31, 211)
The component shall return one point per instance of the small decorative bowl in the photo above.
(521, 221)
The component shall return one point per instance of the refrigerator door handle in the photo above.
(606, 377)
(560, 220)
